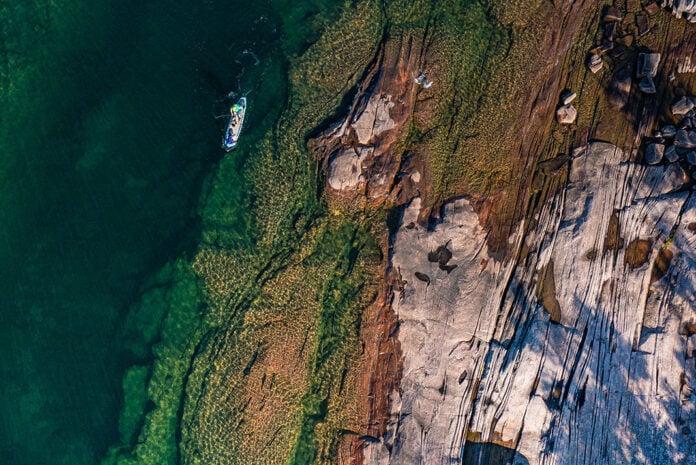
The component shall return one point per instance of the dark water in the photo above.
(107, 132)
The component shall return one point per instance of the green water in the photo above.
(107, 137)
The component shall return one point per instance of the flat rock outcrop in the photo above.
(577, 352)
(685, 8)
(357, 149)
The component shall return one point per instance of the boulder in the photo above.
(691, 158)
(682, 106)
(654, 153)
(647, 85)
(671, 154)
(594, 63)
(651, 8)
(647, 64)
(566, 114)
(345, 171)
(685, 138)
(613, 14)
(643, 24)
(668, 131)
(568, 96)
(673, 179)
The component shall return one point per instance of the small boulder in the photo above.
(594, 63)
(651, 8)
(668, 131)
(691, 158)
(568, 96)
(674, 178)
(613, 14)
(647, 85)
(654, 153)
(647, 64)
(671, 154)
(610, 32)
(682, 106)
(685, 139)
(566, 114)
(642, 24)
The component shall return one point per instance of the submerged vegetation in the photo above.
(259, 367)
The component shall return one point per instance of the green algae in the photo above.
(273, 262)
(337, 334)
(153, 394)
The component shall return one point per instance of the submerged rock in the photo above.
(654, 153)
(566, 114)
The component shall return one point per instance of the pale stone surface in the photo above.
(594, 63)
(375, 119)
(612, 383)
(567, 97)
(681, 7)
(345, 169)
(647, 64)
(566, 114)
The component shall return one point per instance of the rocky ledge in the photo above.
(579, 351)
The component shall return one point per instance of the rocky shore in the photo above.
(576, 345)
(474, 230)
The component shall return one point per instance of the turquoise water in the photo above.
(107, 134)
